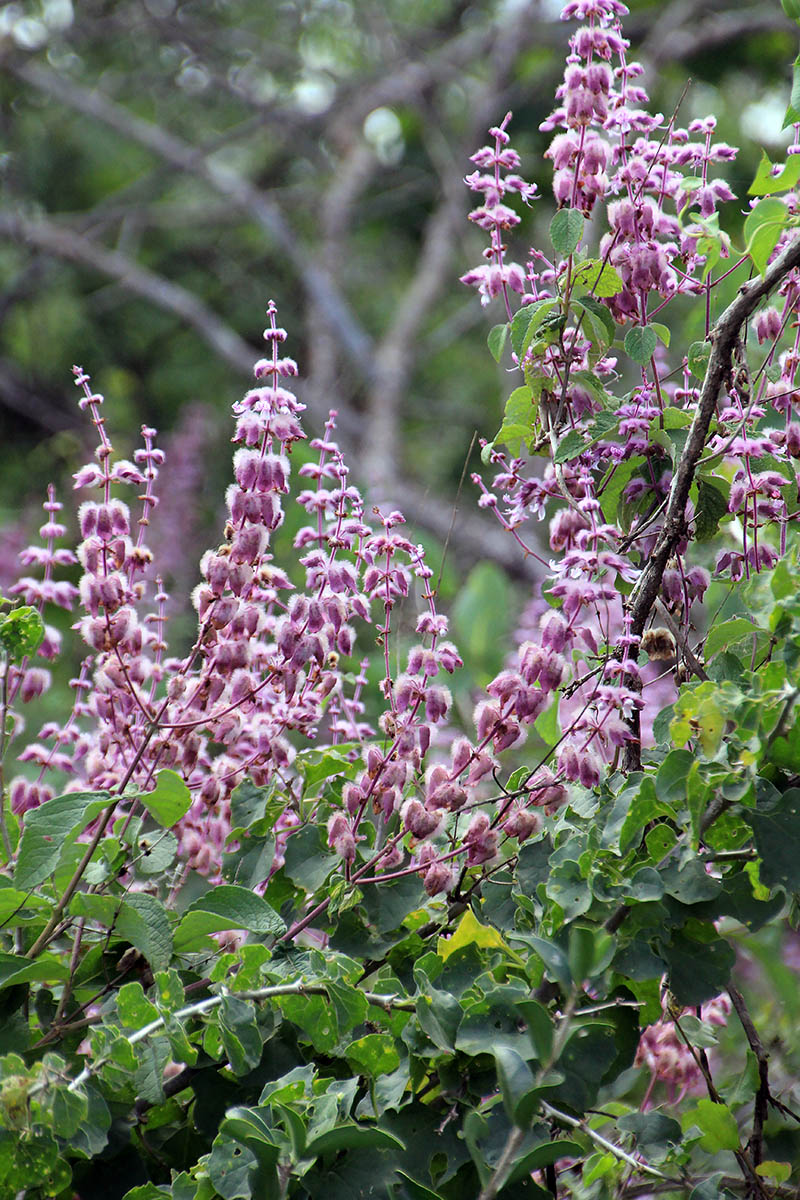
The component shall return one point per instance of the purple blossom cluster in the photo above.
(668, 1057)
(652, 191)
(275, 663)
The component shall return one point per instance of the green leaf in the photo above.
(599, 278)
(47, 828)
(373, 1054)
(640, 344)
(14, 969)
(21, 632)
(654, 1132)
(717, 1123)
(777, 837)
(240, 1034)
(553, 957)
(156, 853)
(599, 311)
(671, 777)
(700, 968)
(726, 633)
(662, 332)
(792, 114)
(514, 1076)
(778, 1172)
(496, 341)
(712, 506)
(528, 319)
(762, 228)
(143, 922)
(439, 1015)
(470, 932)
(169, 799)
(571, 445)
(566, 231)
(226, 906)
(540, 1027)
(308, 858)
(699, 354)
(349, 1136)
(767, 184)
(134, 1009)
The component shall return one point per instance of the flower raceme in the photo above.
(650, 187)
(272, 666)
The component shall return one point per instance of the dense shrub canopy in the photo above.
(298, 909)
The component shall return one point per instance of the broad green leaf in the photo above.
(671, 777)
(566, 231)
(47, 828)
(514, 1076)
(762, 228)
(496, 341)
(439, 1015)
(600, 279)
(240, 1034)
(698, 968)
(308, 858)
(169, 799)
(227, 906)
(767, 184)
(540, 1027)
(373, 1054)
(19, 908)
(143, 922)
(349, 1136)
(726, 633)
(470, 932)
(654, 1132)
(640, 344)
(662, 332)
(134, 1009)
(525, 318)
(553, 957)
(571, 445)
(717, 1123)
(777, 1172)
(15, 969)
(777, 837)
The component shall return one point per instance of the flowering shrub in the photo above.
(258, 947)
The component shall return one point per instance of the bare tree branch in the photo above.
(226, 182)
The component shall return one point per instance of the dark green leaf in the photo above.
(697, 970)
(777, 838)
(712, 506)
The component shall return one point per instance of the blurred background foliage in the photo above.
(168, 166)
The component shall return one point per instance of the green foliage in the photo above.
(429, 1038)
